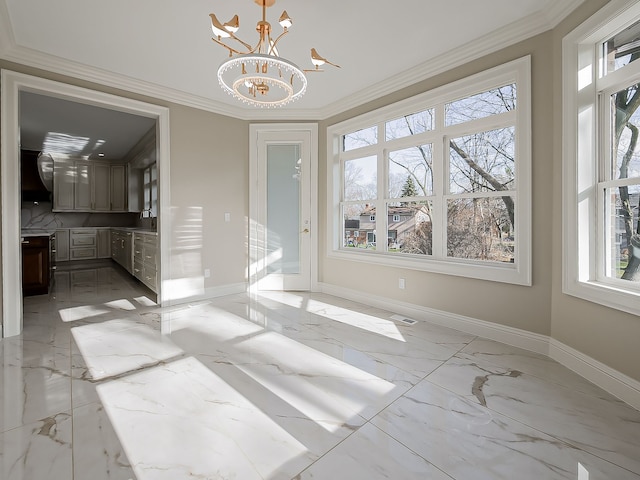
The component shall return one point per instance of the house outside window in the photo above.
(450, 172)
(602, 158)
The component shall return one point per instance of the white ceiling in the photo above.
(163, 47)
(54, 125)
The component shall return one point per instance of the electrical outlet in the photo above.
(401, 283)
(207, 273)
(227, 217)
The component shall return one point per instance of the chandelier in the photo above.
(258, 75)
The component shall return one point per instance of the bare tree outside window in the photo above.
(480, 208)
(626, 164)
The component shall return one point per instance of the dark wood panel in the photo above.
(35, 266)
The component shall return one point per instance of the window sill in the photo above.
(607, 295)
(495, 272)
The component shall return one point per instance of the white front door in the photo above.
(281, 230)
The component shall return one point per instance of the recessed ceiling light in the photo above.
(101, 154)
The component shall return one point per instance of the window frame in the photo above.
(518, 72)
(586, 153)
(150, 202)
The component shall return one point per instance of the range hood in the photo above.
(36, 176)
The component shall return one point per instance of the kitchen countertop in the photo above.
(33, 232)
(37, 233)
(135, 230)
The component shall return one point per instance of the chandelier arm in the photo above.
(250, 49)
(273, 44)
(247, 46)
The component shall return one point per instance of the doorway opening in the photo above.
(20, 89)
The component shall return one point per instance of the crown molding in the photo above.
(555, 12)
(507, 35)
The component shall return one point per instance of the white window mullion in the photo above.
(381, 209)
(440, 187)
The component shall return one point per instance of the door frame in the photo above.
(12, 83)
(254, 197)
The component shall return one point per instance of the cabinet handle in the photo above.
(25, 242)
(149, 256)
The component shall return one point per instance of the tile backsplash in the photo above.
(40, 216)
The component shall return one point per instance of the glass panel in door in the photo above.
(283, 209)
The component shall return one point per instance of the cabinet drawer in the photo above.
(149, 257)
(150, 240)
(138, 270)
(138, 251)
(80, 253)
(83, 241)
(149, 278)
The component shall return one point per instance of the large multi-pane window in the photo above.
(441, 181)
(602, 169)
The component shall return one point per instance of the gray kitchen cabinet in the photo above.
(82, 244)
(62, 245)
(118, 188)
(101, 187)
(103, 242)
(145, 269)
(64, 179)
(83, 186)
(121, 248)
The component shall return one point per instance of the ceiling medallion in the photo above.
(258, 75)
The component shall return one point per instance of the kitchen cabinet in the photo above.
(82, 188)
(121, 248)
(62, 245)
(103, 242)
(118, 175)
(101, 188)
(82, 244)
(145, 247)
(85, 186)
(35, 265)
(92, 187)
(64, 180)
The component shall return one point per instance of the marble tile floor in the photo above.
(103, 384)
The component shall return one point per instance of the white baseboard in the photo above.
(623, 387)
(212, 292)
(511, 336)
(618, 384)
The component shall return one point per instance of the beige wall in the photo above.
(605, 334)
(209, 176)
